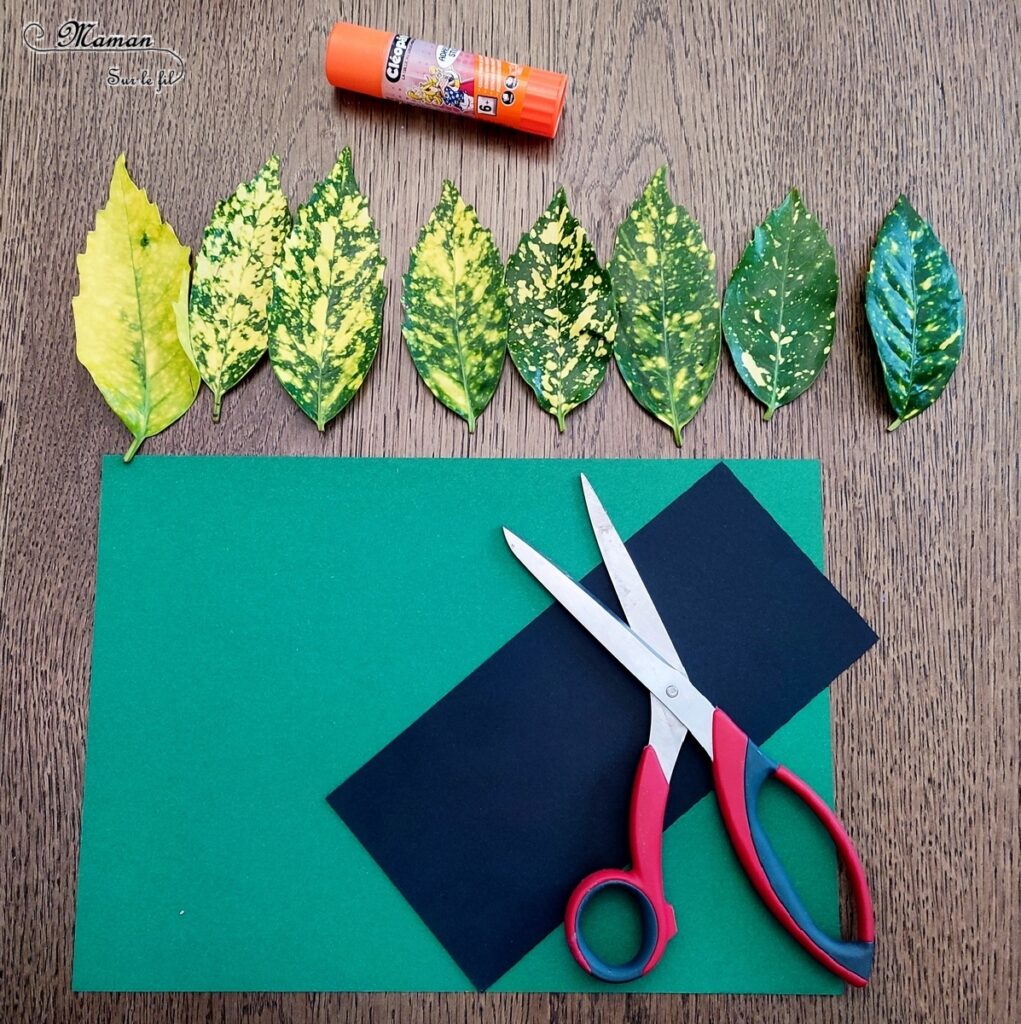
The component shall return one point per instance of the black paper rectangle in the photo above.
(488, 809)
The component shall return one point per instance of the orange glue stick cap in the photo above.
(543, 102)
(356, 57)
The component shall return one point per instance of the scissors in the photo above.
(740, 769)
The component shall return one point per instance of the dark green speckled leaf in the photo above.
(916, 311)
(455, 307)
(562, 315)
(668, 311)
(327, 308)
(779, 312)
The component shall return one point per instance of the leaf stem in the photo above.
(893, 426)
(135, 445)
(677, 434)
(560, 419)
(768, 414)
(217, 399)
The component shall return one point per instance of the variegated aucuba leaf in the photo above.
(455, 307)
(668, 310)
(127, 313)
(562, 313)
(232, 284)
(779, 312)
(327, 309)
(916, 311)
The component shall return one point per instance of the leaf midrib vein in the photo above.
(914, 316)
(232, 324)
(140, 346)
(779, 325)
(561, 360)
(331, 297)
(664, 348)
(447, 235)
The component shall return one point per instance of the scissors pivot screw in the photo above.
(671, 691)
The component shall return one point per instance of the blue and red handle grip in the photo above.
(740, 770)
(644, 881)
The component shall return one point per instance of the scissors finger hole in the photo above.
(798, 842)
(617, 930)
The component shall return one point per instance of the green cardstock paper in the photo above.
(243, 605)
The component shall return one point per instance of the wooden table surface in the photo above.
(853, 103)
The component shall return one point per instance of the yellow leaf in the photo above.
(127, 313)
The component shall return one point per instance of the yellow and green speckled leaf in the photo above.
(668, 311)
(128, 312)
(562, 311)
(455, 307)
(916, 311)
(327, 309)
(233, 281)
(779, 312)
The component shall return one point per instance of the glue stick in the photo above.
(408, 70)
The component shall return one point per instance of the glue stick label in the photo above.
(444, 78)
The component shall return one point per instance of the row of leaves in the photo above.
(311, 292)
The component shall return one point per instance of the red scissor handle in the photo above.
(644, 881)
(740, 770)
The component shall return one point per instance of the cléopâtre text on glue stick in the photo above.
(408, 70)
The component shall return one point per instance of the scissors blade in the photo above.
(666, 731)
(670, 685)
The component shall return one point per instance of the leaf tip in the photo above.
(120, 171)
(903, 208)
(657, 187)
(343, 169)
(271, 169)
